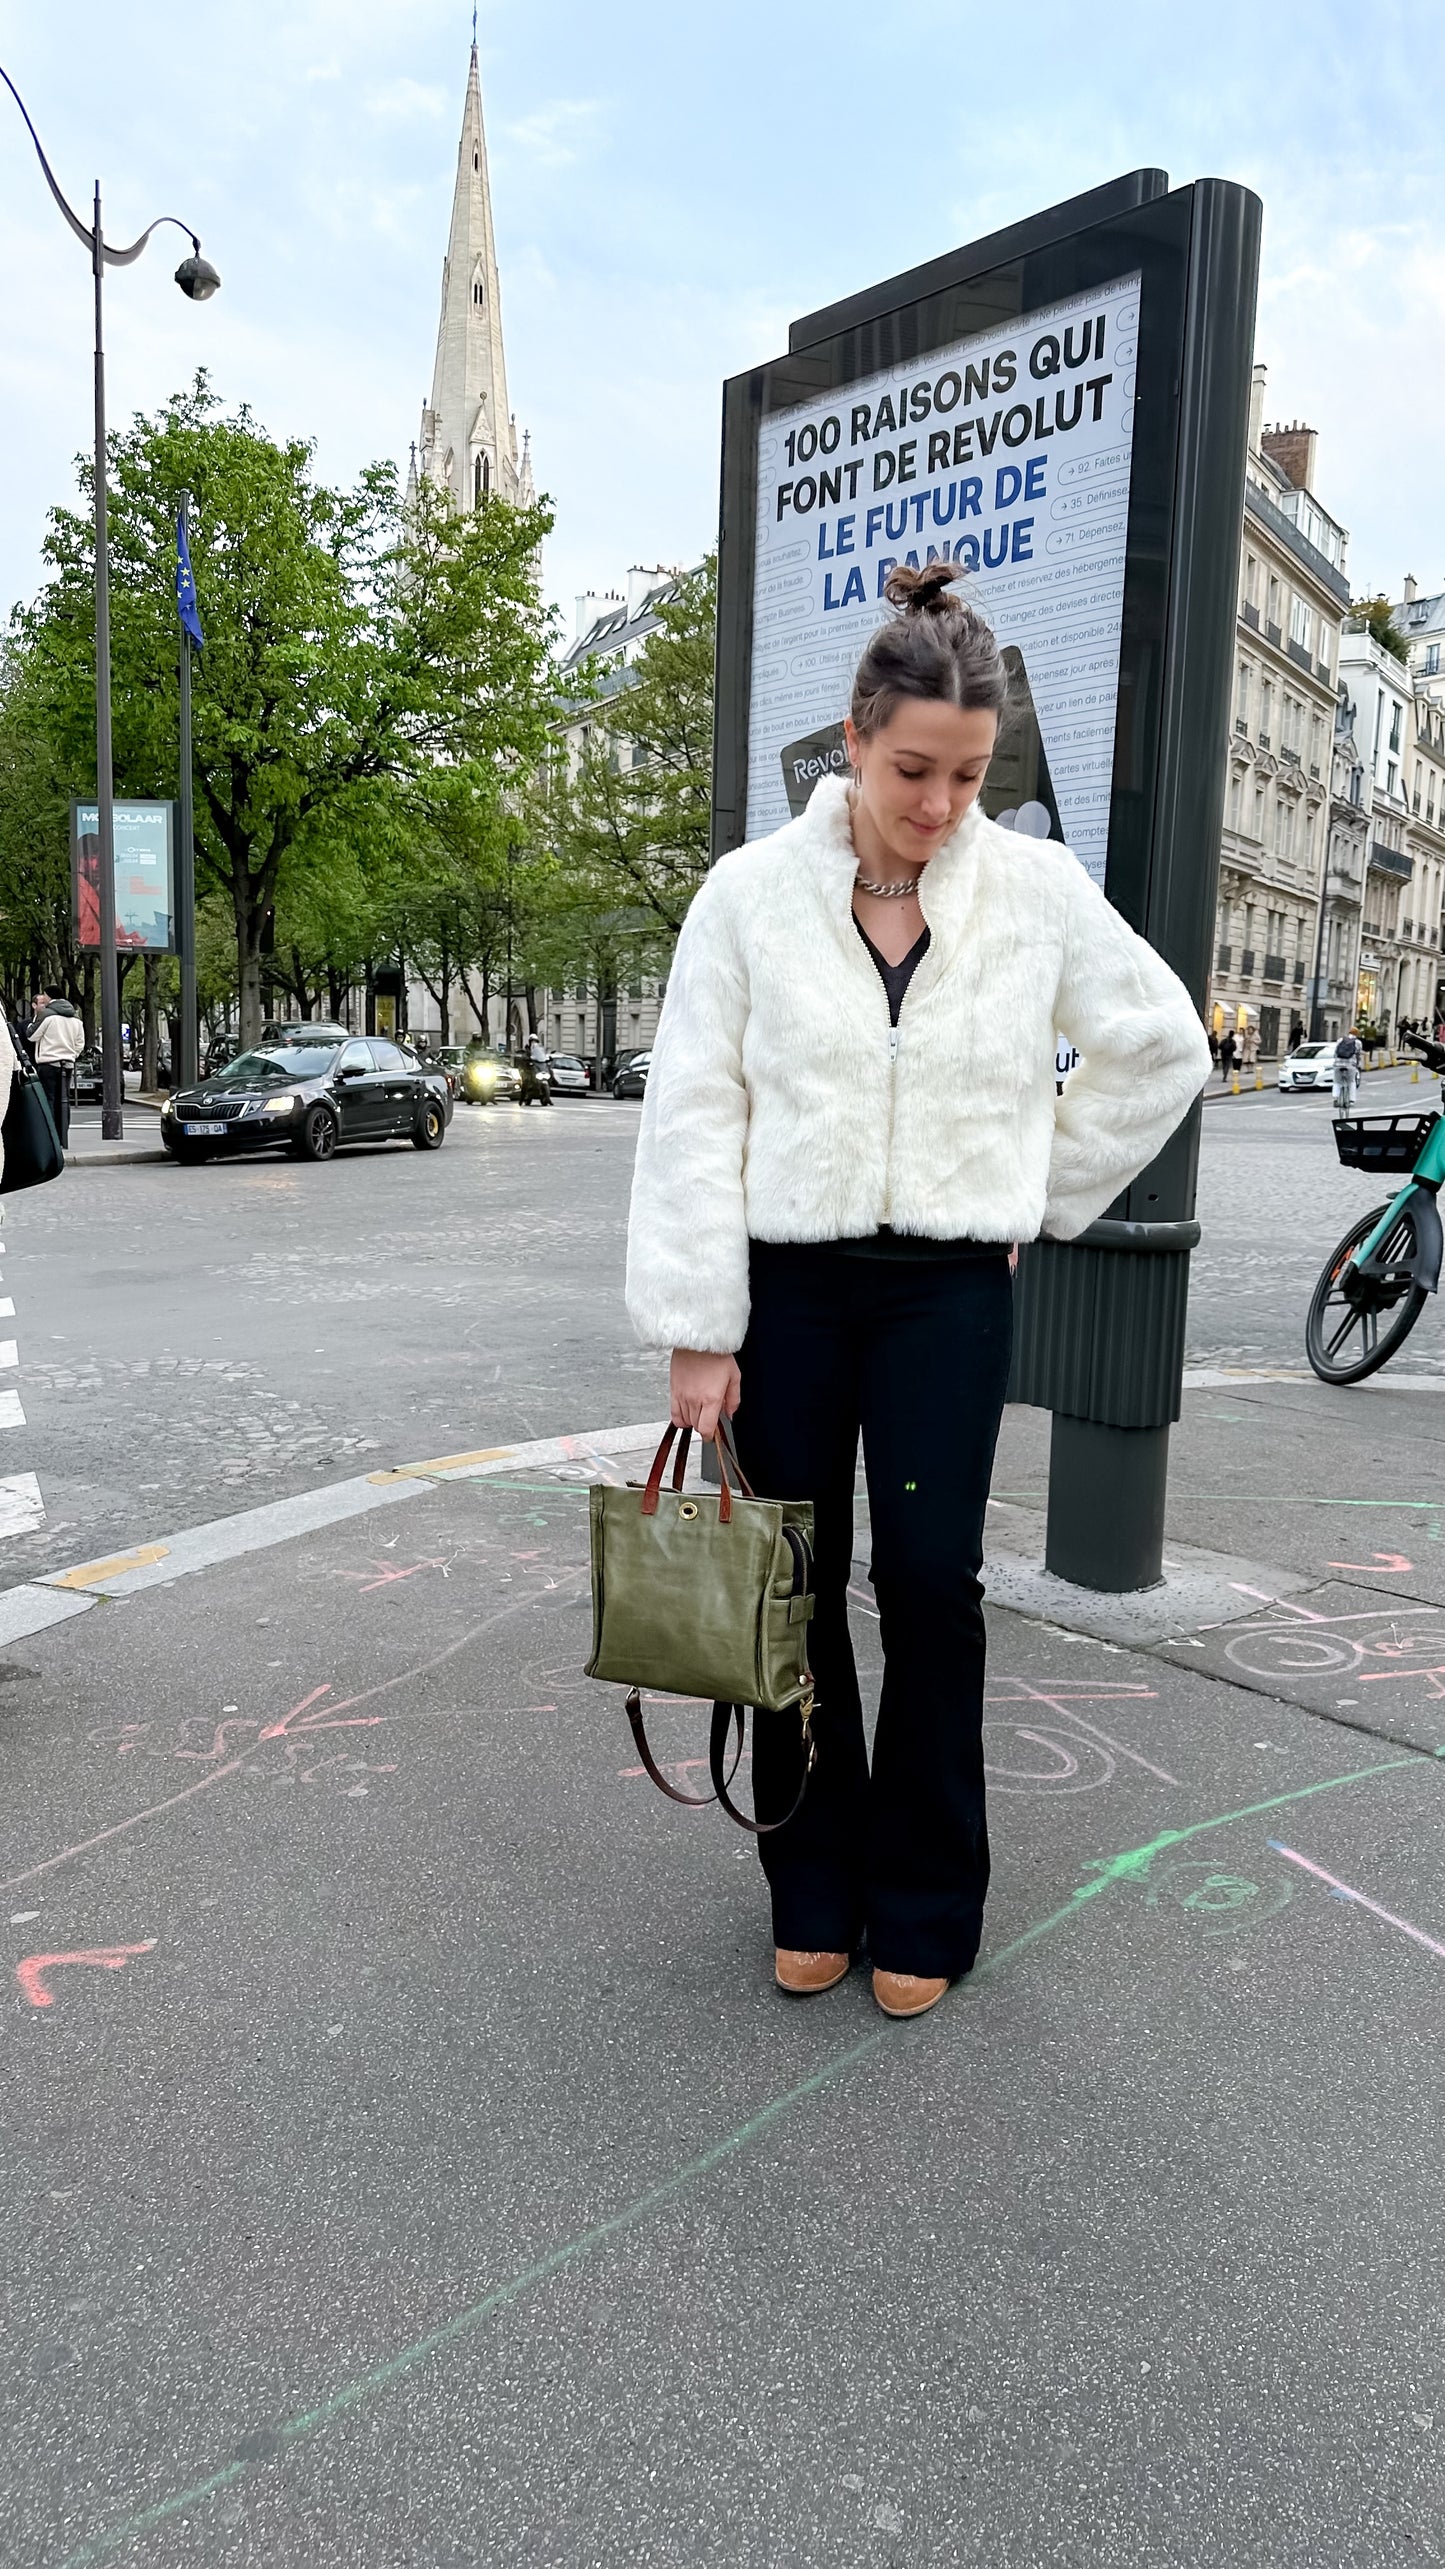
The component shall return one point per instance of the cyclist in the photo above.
(1348, 1057)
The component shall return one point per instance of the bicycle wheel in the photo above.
(1355, 1326)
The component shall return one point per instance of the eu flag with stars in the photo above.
(186, 587)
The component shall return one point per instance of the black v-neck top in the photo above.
(895, 976)
(903, 1244)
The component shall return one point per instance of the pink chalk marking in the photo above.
(106, 1957)
(202, 1785)
(278, 1730)
(1417, 1934)
(1388, 1563)
(1400, 1676)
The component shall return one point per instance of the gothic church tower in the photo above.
(468, 435)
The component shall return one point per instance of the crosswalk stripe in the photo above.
(11, 1413)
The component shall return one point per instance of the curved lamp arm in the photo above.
(83, 231)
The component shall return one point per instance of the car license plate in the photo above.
(203, 1128)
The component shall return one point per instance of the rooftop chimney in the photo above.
(1256, 409)
(1410, 587)
(1294, 450)
(591, 605)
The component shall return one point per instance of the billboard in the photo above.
(1007, 451)
(145, 909)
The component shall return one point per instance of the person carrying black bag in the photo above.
(851, 1115)
(30, 1149)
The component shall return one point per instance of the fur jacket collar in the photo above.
(781, 1104)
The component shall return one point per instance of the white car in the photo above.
(1310, 1066)
(568, 1075)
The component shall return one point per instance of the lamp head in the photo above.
(196, 277)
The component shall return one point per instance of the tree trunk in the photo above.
(251, 1012)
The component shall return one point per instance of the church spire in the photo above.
(468, 435)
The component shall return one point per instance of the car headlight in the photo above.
(169, 1108)
(279, 1105)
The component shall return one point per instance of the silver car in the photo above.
(568, 1074)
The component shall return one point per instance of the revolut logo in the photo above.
(820, 753)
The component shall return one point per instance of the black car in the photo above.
(631, 1080)
(309, 1098)
(87, 1085)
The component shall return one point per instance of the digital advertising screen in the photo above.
(1008, 452)
(144, 876)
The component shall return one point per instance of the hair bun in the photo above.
(923, 592)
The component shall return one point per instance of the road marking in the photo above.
(7, 1308)
(100, 1574)
(11, 1413)
(1343, 1891)
(9, 1351)
(21, 1506)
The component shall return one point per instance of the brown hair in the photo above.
(936, 646)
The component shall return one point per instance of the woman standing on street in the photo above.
(850, 1116)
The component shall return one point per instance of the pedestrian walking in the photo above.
(1296, 1033)
(1346, 1078)
(1226, 1055)
(1213, 1048)
(1249, 1046)
(57, 1040)
(835, 1153)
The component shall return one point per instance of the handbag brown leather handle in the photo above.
(723, 1718)
(726, 1451)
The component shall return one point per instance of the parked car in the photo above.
(568, 1074)
(303, 1030)
(88, 1085)
(631, 1080)
(309, 1098)
(1311, 1066)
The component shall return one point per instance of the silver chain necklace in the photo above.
(889, 891)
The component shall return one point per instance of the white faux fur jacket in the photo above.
(781, 1104)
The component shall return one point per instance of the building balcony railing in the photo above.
(1391, 861)
(1322, 672)
(1264, 740)
(1298, 652)
(1262, 506)
(1272, 633)
(1249, 614)
(1290, 757)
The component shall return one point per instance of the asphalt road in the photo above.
(442, 2185)
(197, 1340)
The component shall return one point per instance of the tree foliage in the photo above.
(1378, 617)
(352, 645)
(632, 821)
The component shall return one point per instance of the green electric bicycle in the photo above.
(1373, 1286)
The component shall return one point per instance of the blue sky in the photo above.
(670, 185)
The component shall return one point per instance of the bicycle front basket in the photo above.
(1384, 1142)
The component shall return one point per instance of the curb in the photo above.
(111, 1159)
(1269, 1088)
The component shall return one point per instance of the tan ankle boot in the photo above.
(902, 1993)
(806, 1975)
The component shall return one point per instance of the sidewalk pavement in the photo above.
(426, 2182)
(1269, 1077)
(140, 1142)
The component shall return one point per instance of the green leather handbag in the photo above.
(704, 1593)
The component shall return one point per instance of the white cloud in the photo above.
(553, 137)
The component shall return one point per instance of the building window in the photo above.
(1241, 701)
(477, 293)
(1236, 799)
(1301, 623)
(1432, 659)
(1396, 717)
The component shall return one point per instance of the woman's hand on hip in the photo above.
(702, 1385)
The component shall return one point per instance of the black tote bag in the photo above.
(32, 1145)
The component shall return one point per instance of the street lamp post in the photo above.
(198, 280)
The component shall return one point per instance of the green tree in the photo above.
(632, 821)
(1378, 618)
(350, 644)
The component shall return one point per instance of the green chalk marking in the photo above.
(1131, 1865)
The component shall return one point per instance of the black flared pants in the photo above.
(915, 1353)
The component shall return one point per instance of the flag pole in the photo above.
(189, 1064)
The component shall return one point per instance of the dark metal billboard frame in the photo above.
(1099, 1323)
